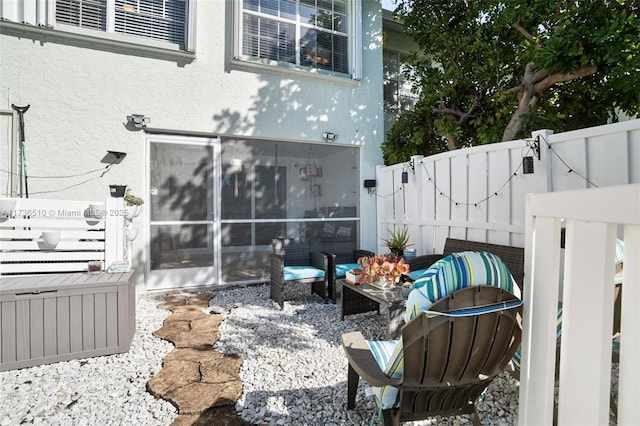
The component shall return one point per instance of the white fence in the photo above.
(593, 219)
(42, 235)
(479, 193)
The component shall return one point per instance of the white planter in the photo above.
(96, 211)
(132, 233)
(132, 211)
(51, 238)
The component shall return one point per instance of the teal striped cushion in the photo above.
(390, 357)
(293, 273)
(417, 274)
(449, 274)
(454, 272)
(343, 268)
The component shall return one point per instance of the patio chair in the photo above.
(343, 256)
(463, 326)
(292, 263)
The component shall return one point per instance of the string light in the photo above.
(475, 204)
(495, 193)
(569, 168)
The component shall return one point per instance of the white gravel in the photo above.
(294, 371)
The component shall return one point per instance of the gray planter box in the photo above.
(58, 317)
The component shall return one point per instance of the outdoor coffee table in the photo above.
(367, 298)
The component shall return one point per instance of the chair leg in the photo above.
(352, 387)
(277, 293)
(391, 417)
(475, 417)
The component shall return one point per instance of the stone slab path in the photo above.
(203, 384)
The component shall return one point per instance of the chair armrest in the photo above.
(358, 253)
(277, 268)
(319, 260)
(423, 261)
(362, 361)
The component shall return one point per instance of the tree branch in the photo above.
(449, 111)
(549, 81)
(518, 27)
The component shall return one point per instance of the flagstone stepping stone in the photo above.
(202, 383)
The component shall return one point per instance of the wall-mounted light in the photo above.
(113, 157)
(370, 184)
(405, 176)
(138, 120)
(329, 136)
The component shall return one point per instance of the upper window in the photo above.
(162, 20)
(308, 33)
(398, 93)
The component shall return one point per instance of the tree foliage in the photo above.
(492, 70)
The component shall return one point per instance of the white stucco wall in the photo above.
(80, 96)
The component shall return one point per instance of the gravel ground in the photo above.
(294, 371)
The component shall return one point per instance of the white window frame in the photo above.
(39, 16)
(354, 50)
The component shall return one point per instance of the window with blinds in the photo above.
(164, 20)
(309, 33)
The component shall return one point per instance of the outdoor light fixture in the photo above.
(370, 184)
(527, 165)
(527, 162)
(405, 176)
(113, 157)
(536, 146)
(329, 136)
(138, 120)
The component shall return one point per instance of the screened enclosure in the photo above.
(283, 189)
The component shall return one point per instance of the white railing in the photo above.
(42, 235)
(593, 219)
(479, 193)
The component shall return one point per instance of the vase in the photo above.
(132, 233)
(96, 211)
(131, 211)
(51, 238)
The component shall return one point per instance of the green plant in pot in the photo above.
(132, 205)
(398, 240)
(132, 200)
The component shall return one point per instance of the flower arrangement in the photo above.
(387, 266)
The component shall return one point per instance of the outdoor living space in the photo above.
(230, 350)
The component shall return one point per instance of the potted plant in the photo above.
(117, 191)
(132, 205)
(398, 240)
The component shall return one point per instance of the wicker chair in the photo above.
(447, 356)
(292, 263)
(343, 257)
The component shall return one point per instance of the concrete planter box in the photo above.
(59, 317)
